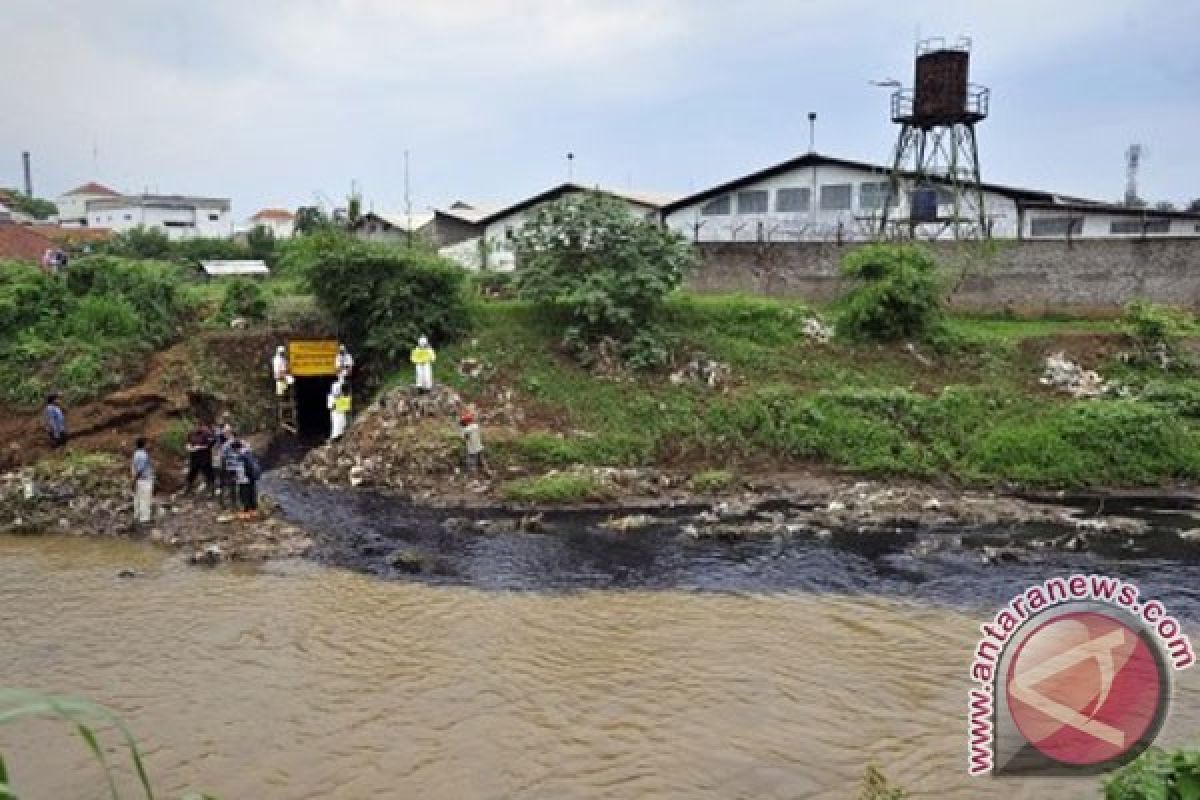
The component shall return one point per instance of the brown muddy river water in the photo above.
(300, 681)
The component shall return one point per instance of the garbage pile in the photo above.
(1064, 375)
(405, 433)
(702, 370)
(818, 331)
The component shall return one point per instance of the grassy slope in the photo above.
(976, 416)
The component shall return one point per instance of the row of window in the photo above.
(831, 197)
(1073, 226)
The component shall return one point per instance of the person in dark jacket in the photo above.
(200, 458)
(230, 465)
(56, 422)
(247, 474)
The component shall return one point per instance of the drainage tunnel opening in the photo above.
(312, 412)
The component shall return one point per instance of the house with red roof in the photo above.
(278, 221)
(73, 205)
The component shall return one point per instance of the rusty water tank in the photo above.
(940, 93)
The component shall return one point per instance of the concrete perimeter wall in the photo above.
(1027, 277)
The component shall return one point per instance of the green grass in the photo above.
(557, 487)
(971, 409)
(710, 481)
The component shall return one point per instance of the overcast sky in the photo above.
(274, 102)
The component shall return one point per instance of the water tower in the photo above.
(937, 154)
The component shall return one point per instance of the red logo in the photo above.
(1085, 688)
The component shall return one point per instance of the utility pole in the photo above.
(570, 167)
(407, 199)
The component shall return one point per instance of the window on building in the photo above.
(836, 197)
(717, 207)
(872, 196)
(174, 223)
(1140, 226)
(793, 199)
(753, 201)
(1056, 226)
(129, 216)
(213, 217)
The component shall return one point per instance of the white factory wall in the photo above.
(177, 222)
(1053, 224)
(859, 222)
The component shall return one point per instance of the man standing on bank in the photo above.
(142, 471)
(56, 422)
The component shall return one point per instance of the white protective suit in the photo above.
(337, 417)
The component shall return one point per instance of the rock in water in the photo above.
(408, 561)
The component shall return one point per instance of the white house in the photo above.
(279, 221)
(72, 205)
(178, 216)
(494, 244)
(819, 198)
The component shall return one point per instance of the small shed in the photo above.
(231, 269)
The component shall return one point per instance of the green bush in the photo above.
(84, 370)
(1156, 331)
(29, 298)
(587, 260)
(243, 298)
(152, 288)
(80, 335)
(193, 251)
(1113, 443)
(1157, 775)
(96, 317)
(898, 294)
(1181, 398)
(140, 242)
(384, 298)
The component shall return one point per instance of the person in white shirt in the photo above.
(142, 471)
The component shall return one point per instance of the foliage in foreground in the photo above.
(898, 294)
(87, 719)
(384, 298)
(589, 261)
(1157, 775)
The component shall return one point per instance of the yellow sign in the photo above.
(312, 357)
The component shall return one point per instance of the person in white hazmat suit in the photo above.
(280, 370)
(423, 357)
(339, 409)
(343, 363)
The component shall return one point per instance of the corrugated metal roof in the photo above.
(401, 220)
(218, 268)
(648, 199)
(815, 159)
